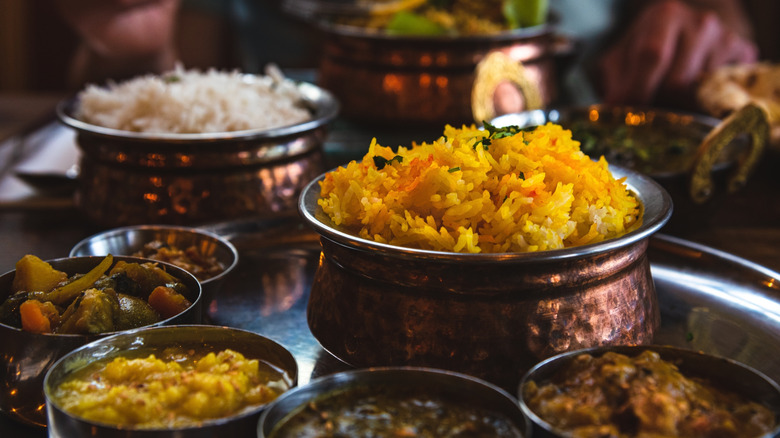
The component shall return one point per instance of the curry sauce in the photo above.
(644, 396)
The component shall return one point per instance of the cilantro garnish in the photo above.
(495, 133)
(453, 169)
(381, 162)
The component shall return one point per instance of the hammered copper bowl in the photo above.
(725, 374)
(131, 239)
(673, 136)
(130, 178)
(141, 343)
(407, 80)
(463, 390)
(27, 356)
(489, 315)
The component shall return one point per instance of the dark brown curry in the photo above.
(644, 396)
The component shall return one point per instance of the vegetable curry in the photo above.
(105, 299)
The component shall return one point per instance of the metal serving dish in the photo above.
(724, 373)
(26, 356)
(129, 240)
(404, 80)
(142, 342)
(129, 178)
(698, 174)
(488, 315)
(463, 390)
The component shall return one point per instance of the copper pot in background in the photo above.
(416, 80)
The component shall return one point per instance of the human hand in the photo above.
(123, 29)
(666, 50)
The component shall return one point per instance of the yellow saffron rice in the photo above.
(531, 191)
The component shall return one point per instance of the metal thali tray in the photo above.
(710, 300)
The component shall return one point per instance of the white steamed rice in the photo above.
(190, 101)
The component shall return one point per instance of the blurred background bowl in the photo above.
(663, 144)
(722, 373)
(130, 178)
(141, 343)
(129, 240)
(461, 390)
(489, 315)
(27, 356)
(405, 80)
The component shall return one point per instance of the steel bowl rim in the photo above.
(325, 109)
(704, 119)
(599, 350)
(178, 228)
(309, 209)
(345, 379)
(209, 423)
(196, 301)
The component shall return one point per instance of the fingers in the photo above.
(634, 69)
(699, 37)
(123, 28)
(666, 50)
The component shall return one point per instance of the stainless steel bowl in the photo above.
(724, 373)
(27, 356)
(698, 176)
(129, 240)
(141, 342)
(130, 178)
(460, 389)
(489, 315)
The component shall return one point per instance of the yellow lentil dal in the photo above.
(152, 393)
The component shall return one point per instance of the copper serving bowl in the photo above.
(699, 160)
(129, 178)
(129, 240)
(423, 80)
(462, 390)
(142, 342)
(26, 356)
(723, 373)
(489, 315)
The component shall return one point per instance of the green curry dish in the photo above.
(646, 149)
(381, 162)
(392, 411)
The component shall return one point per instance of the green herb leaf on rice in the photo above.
(381, 162)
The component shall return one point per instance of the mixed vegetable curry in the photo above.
(105, 299)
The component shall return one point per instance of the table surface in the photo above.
(746, 223)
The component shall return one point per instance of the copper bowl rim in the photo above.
(104, 342)
(196, 302)
(82, 248)
(324, 106)
(656, 205)
(664, 350)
